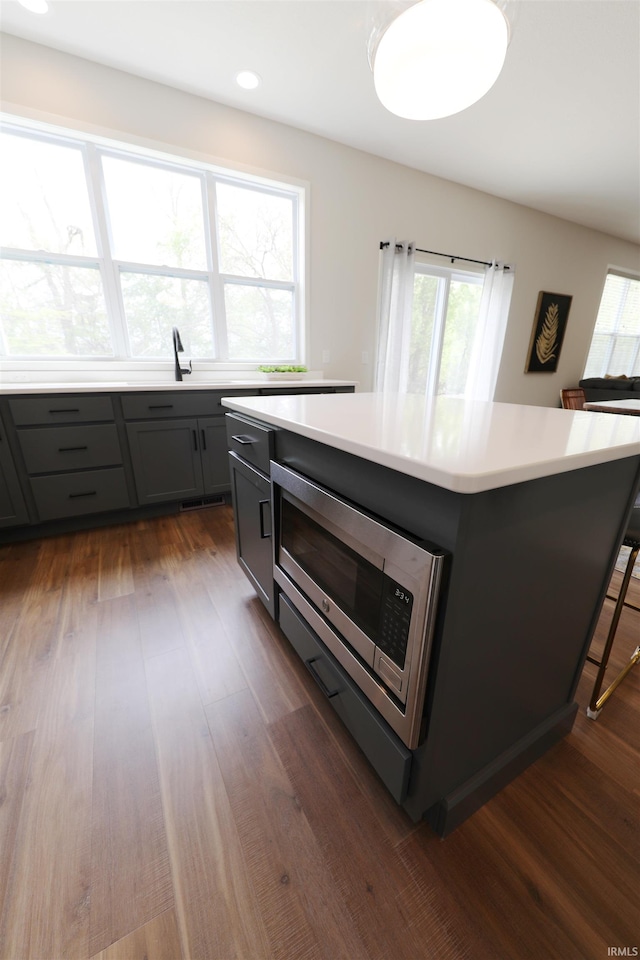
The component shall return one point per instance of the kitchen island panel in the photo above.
(532, 529)
(524, 587)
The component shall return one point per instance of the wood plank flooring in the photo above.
(173, 786)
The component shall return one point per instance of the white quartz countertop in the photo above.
(124, 386)
(464, 446)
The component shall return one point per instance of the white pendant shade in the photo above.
(439, 57)
(35, 6)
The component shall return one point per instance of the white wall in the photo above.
(356, 201)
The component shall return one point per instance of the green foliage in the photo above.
(462, 308)
(282, 368)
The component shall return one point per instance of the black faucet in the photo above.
(178, 348)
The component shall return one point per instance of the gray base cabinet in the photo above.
(178, 459)
(165, 455)
(71, 452)
(251, 447)
(72, 456)
(213, 449)
(77, 494)
(251, 495)
(523, 590)
(13, 510)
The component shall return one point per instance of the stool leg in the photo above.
(597, 701)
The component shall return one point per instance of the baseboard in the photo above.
(457, 806)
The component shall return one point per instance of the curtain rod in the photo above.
(449, 256)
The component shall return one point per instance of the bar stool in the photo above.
(631, 539)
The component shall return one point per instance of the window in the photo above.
(105, 250)
(615, 346)
(440, 329)
(446, 308)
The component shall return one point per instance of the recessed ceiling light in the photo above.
(247, 79)
(35, 6)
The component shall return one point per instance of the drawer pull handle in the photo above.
(160, 406)
(203, 437)
(264, 535)
(88, 493)
(318, 679)
(243, 440)
(71, 449)
(66, 410)
(195, 439)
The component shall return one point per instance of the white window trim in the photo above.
(40, 126)
(447, 275)
(627, 275)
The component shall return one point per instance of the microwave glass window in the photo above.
(346, 577)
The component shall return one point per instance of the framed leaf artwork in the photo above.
(549, 325)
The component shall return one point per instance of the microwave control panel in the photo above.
(395, 619)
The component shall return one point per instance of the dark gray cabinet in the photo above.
(213, 449)
(66, 495)
(251, 498)
(13, 510)
(178, 459)
(72, 454)
(166, 459)
(67, 456)
(177, 442)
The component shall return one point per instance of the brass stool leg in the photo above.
(597, 701)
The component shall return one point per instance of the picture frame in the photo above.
(549, 325)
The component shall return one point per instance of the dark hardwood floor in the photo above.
(173, 786)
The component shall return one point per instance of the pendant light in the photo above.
(440, 56)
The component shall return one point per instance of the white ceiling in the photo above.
(559, 131)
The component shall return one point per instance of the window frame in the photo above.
(92, 149)
(447, 274)
(625, 275)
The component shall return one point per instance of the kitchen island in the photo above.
(529, 506)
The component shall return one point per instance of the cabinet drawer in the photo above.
(74, 494)
(147, 406)
(251, 441)
(60, 409)
(54, 449)
(218, 408)
(384, 750)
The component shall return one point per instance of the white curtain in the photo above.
(395, 303)
(490, 330)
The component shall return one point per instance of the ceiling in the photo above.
(559, 131)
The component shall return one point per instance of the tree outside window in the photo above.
(103, 252)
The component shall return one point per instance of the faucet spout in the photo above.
(178, 348)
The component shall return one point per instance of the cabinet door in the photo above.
(215, 460)
(166, 459)
(12, 506)
(251, 493)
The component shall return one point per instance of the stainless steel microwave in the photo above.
(368, 590)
